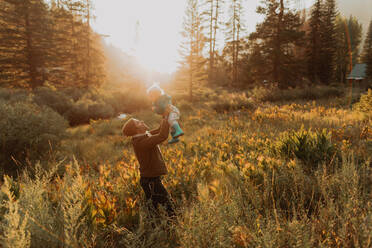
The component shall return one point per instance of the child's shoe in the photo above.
(173, 140)
(177, 131)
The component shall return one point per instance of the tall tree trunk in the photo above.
(88, 43)
(215, 33)
(32, 70)
(234, 45)
(237, 45)
(73, 62)
(193, 43)
(211, 40)
(278, 42)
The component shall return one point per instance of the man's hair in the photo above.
(129, 128)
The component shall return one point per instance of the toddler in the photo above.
(161, 102)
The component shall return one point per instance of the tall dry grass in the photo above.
(294, 175)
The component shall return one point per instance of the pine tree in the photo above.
(328, 40)
(314, 59)
(24, 37)
(54, 43)
(85, 59)
(193, 45)
(367, 52)
(323, 42)
(234, 28)
(12, 67)
(348, 37)
(60, 73)
(276, 38)
(213, 15)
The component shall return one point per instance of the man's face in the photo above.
(141, 126)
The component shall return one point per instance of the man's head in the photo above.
(133, 127)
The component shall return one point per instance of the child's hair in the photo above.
(155, 87)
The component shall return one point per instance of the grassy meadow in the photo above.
(254, 169)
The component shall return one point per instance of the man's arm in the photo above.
(156, 139)
(155, 131)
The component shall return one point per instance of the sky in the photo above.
(150, 29)
(159, 23)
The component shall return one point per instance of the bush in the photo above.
(27, 132)
(74, 93)
(185, 106)
(54, 99)
(365, 103)
(85, 110)
(104, 105)
(126, 102)
(274, 94)
(14, 95)
(232, 102)
(309, 147)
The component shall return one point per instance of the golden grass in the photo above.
(230, 187)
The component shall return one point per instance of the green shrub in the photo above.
(54, 99)
(100, 110)
(74, 93)
(185, 106)
(274, 94)
(27, 132)
(73, 206)
(104, 105)
(365, 103)
(78, 114)
(127, 102)
(260, 93)
(45, 215)
(14, 221)
(309, 147)
(85, 110)
(232, 102)
(14, 95)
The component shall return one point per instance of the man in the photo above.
(152, 166)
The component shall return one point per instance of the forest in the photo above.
(278, 129)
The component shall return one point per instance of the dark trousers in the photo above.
(157, 194)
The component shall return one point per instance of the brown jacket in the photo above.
(148, 152)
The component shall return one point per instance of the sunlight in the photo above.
(148, 30)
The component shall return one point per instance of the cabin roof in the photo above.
(358, 72)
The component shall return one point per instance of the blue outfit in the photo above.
(160, 105)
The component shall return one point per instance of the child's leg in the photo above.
(174, 115)
(173, 118)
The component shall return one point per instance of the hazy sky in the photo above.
(159, 23)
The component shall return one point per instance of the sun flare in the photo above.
(148, 30)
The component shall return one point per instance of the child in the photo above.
(161, 102)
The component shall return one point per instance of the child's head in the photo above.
(154, 92)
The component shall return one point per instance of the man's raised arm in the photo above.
(155, 131)
(157, 138)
